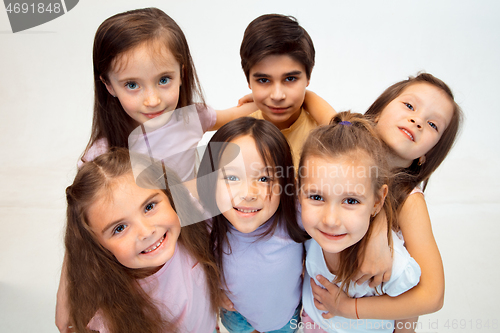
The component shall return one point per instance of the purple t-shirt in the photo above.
(264, 276)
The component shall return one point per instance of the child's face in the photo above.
(414, 122)
(246, 194)
(145, 82)
(138, 226)
(278, 84)
(337, 200)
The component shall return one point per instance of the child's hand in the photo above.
(377, 262)
(325, 299)
(245, 99)
(226, 303)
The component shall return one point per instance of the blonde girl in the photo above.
(418, 120)
(343, 185)
(246, 181)
(130, 267)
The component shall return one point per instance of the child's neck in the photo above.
(332, 261)
(396, 162)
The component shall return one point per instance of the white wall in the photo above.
(363, 46)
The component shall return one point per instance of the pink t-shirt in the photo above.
(181, 289)
(172, 137)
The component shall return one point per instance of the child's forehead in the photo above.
(278, 62)
(156, 51)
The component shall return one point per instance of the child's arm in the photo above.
(318, 108)
(225, 116)
(426, 297)
(377, 262)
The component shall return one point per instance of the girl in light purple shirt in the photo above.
(246, 180)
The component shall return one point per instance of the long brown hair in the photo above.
(416, 173)
(96, 280)
(114, 37)
(275, 34)
(354, 136)
(275, 152)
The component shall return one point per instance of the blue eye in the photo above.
(164, 80)
(150, 206)
(433, 125)
(316, 197)
(409, 106)
(119, 228)
(232, 178)
(131, 85)
(350, 201)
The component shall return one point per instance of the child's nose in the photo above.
(145, 229)
(331, 217)
(152, 98)
(278, 93)
(248, 191)
(416, 121)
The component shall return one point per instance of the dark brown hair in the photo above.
(415, 174)
(275, 152)
(118, 35)
(96, 280)
(275, 34)
(355, 137)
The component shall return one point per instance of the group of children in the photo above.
(148, 251)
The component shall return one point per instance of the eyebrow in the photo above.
(171, 73)
(111, 224)
(292, 73)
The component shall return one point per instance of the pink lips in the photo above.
(408, 133)
(246, 211)
(277, 110)
(333, 237)
(155, 246)
(153, 115)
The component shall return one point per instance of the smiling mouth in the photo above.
(246, 211)
(278, 109)
(154, 246)
(154, 115)
(407, 133)
(332, 236)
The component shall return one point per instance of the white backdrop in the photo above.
(362, 47)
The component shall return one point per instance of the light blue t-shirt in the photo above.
(405, 275)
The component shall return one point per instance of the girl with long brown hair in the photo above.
(143, 70)
(246, 181)
(343, 184)
(130, 265)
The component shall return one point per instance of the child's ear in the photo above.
(108, 86)
(379, 203)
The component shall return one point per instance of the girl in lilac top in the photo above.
(246, 180)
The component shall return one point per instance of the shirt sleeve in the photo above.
(405, 271)
(98, 148)
(207, 116)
